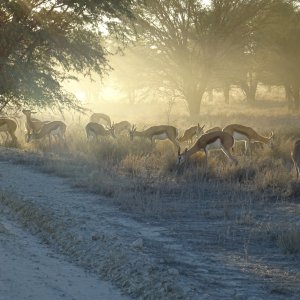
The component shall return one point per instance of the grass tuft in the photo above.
(289, 239)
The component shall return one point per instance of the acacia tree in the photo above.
(190, 40)
(282, 47)
(270, 55)
(41, 42)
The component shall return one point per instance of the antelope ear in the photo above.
(203, 127)
(272, 135)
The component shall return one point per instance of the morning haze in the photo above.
(152, 147)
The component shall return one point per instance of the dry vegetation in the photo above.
(247, 213)
(143, 179)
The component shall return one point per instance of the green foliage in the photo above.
(42, 42)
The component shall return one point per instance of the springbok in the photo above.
(190, 133)
(296, 156)
(217, 128)
(160, 132)
(122, 126)
(95, 130)
(32, 125)
(55, 129)
(100, 118)
(247, 135)
(8, 126)
(207, 142)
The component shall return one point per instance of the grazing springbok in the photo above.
(160, 132)
(207, 142)
(100, 118)
(247, 135)
(217, 128)
(8, 126)
(94, 130)
(56, 129)
(189, 134)
(122, 126)
(296, 156)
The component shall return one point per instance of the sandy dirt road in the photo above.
(187, 257)
(31, 270)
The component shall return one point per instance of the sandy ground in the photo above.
(30, 270)
(183, 256)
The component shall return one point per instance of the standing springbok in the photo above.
(189, 134)
(95, 130)
(247, 135)
(296, 156)
(56, 129)
(160, 132)
(207, 142)
(32, 125)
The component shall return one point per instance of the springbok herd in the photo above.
(214, 138)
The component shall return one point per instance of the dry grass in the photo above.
(97, 163)
(144, 179)
(289, 239)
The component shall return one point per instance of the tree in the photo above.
(282, 47)
(191, 40)
(41, 42)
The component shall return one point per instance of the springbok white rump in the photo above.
(210, 141)
(248, 135)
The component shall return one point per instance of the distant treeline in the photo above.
(182, 48)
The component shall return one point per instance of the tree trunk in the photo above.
(131, 96)
(193, 92)
(226, 90)
(194, 100)
(288, 96)
(210, 95)
(296, 96)
(250, 87)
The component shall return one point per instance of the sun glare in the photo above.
(109, 93)
(207, 2)
(80, 95)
